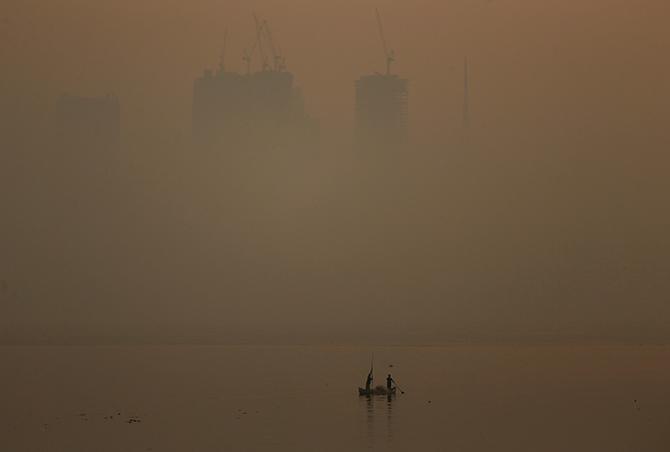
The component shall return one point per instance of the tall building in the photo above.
(258, 108)
(88, 122)
(381, 105)
(381, 111)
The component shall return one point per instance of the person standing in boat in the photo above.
(390, 382)
(368, 382)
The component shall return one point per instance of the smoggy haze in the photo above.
(548, 217)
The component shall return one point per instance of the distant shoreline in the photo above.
(274, 341)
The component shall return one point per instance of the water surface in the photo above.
(218, 398)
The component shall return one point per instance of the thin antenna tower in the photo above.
(466, 94)
(222, 60)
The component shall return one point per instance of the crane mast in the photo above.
(277, 59)
(247, 54)
(265, 44)
(259, 41)
(389, 54)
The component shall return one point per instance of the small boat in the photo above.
(379, 390)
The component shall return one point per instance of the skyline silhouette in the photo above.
(547, 223)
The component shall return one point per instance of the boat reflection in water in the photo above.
(382, 410)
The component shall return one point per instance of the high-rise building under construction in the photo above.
(255, 109)
(381, 105)
(381, 110)
(231, 108)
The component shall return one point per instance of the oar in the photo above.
(401, 391)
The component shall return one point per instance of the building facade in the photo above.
(381, 111)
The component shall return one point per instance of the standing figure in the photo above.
(368, 382)
(389, 383)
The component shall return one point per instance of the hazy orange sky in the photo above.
(554, 219)
(535, 66)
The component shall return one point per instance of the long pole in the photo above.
(466, 94)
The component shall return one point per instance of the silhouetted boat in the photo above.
(379, 390)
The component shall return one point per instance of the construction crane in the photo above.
(278, 61)
(247, 54)
(264, 43)
(259, 41)
(388, 53)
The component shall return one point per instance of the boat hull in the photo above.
(379, 390)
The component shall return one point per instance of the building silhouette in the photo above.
(381, 111)
(381, 104)
(88, 122)
(254, 109)
(261, 108)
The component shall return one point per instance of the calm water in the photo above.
(211, 398)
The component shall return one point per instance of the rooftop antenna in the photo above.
(466, 94)
(388, 53)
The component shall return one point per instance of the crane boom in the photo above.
(381, 31)
(275, 50)
(246, 57)
(265, 44)
(259, 41)
(389, 54)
